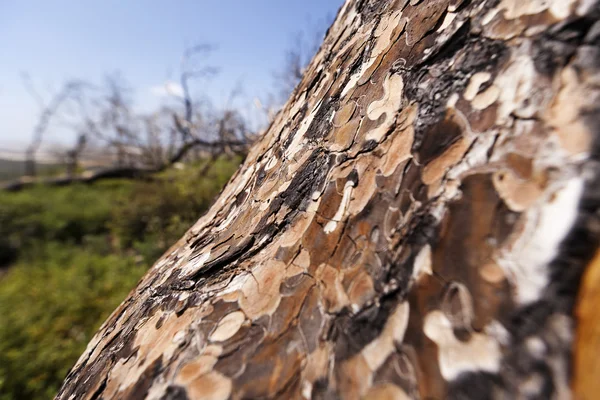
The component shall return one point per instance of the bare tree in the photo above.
(165, 137)
(48, 111)
(304, 46)
(192, 67)
(141, 144)
(73, 155)
(109, 118)
(227, 130)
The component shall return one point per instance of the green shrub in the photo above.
(49, 309)
(75, 253)
(65, 214)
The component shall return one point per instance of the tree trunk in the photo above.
(30, 165)
(414, 224)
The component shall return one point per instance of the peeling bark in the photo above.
(414, 224)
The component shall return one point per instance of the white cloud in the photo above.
(169, 88)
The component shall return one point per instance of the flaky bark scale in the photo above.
(414, 223)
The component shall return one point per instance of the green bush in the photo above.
(50, 307)
(65, 214)
(74, 254)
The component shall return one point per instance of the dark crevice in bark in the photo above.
(351, 332)
(98, 393)
(555, 48)
(175, 392)
(226, 259)
(479, 54)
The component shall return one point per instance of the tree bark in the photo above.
(414, 224)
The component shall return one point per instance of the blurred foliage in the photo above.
(66, 214)
(71, 254)
(50, 306)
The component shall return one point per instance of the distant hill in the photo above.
(12, 163)
(12, 169)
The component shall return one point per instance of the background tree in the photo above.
(304, 46)
(48, 112)
(72, 156)
(414, 224)
(104, 116)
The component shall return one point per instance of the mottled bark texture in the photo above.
(414, 224)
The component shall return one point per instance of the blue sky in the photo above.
(143, 39)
